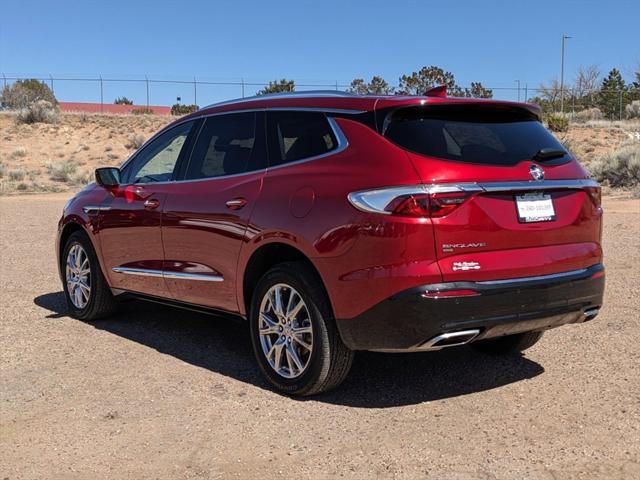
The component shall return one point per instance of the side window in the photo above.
(157, 161)
(298, 135)
(226, 146)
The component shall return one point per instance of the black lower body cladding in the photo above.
(409, 319)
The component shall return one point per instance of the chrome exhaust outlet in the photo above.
(452, 339)
(590, 313)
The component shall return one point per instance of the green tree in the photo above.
(23, 93)
(122, 101)
(476, 91)
(428, 77)
(377, 86)
(610, 94)
(278, 86)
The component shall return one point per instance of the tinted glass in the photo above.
(475, 134)
(157, 161)
(299, 135)
(225, 146)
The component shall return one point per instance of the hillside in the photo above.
(62, 156)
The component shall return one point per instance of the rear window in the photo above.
(299, 135)
(471, 133)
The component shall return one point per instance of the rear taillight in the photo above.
(595, 193)
(416, 201)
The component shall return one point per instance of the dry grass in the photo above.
(62, 156)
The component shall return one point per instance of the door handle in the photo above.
(236, 203)
(152, 203)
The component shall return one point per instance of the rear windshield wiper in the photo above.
(548, 153)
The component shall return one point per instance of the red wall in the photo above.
(109, 108)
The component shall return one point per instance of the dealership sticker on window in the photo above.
(535, 207)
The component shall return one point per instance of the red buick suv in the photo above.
(333, 223)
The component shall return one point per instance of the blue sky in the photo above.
(495, 42)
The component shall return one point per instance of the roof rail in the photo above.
(300, 94)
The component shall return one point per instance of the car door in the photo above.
(131, 216)
(206, 215)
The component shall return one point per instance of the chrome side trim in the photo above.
(144, 272)
(89, 209)
(193, 276)
(552, 276)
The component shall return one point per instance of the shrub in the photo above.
(620, 169)
(41, 111)
(23, 93)
(3, 169)
(17, 175)
(19, 152)
(83, 178)
(179, 109)
(557, 123)
(588, 114)
(62, 171)
(122, 101)
(142, 111)
(135, 141)
(633, 109)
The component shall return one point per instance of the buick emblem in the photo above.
(536, 172)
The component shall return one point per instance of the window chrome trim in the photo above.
(343, 143)
(145, 272)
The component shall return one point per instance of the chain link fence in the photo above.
(148, 90)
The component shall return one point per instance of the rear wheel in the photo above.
(294, 337)
(87, 293)
(508, 344)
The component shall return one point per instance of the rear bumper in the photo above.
(409, 320)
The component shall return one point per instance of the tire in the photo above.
(99, 301)
(509, 344)
(327, 362)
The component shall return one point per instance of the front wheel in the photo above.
(87, 293)
(508, 344)
(294, 336)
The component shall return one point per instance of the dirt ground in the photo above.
(156, 392)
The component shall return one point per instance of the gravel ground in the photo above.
(162, 393)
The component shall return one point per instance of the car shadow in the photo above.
(376, 380)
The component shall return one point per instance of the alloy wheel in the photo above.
(286, 332)
(78, 276)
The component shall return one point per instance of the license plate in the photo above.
(535, 207)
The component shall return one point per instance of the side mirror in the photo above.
(108, 177)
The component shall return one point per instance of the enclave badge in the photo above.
(536, 172)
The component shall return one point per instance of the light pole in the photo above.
(564, 37)
(518, 82)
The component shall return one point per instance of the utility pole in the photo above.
(518, 82)
(564, 37)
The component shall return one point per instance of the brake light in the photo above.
(416, 201)
(595, 193)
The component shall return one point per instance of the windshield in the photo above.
(484, 134)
